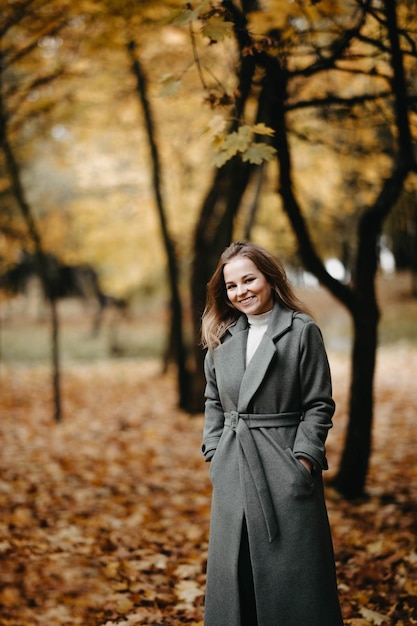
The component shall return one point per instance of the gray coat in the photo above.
(257, 421)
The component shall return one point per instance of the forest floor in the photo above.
(104, 518)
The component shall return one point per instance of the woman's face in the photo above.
(246, 287)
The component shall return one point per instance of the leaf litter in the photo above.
(104, 518)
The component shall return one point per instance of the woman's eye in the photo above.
(229, 287)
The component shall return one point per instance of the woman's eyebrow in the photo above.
(232, 282)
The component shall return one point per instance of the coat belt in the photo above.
(262, 420)
(241, 424)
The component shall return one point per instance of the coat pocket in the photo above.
(305, 481)
(300, 467)
(216, 458)
(287, 476)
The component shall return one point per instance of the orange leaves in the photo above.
(104, 518)
(375, 538)
(98, 519)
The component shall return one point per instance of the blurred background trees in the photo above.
(144, 204)
(19, 110)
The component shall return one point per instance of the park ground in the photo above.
(104, 518)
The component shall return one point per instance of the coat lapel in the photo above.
(255, 372)
(230, 357)
(257, 369)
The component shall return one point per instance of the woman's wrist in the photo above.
(307, 463)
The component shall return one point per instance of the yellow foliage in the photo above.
(107, 513)
(216, 28)
(87, 164)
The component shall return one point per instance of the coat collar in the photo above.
(231, 355)
(280, 322)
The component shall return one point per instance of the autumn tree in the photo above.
(112, 27)
(176, 347)
(127, 18)
(323, 69)
(23, 26)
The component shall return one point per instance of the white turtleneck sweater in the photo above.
(257, 327)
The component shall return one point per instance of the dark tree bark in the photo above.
(253, 209)
(176, 336)
(414, 254)
(18, 191)
(14, 16)
(351, 477)
(214, 229)
(213, 233)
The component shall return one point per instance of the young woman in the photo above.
(268, 411)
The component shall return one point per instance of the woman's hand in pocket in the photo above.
(307, 464)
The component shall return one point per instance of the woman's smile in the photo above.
(247, 300)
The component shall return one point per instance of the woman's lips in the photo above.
(247, 300)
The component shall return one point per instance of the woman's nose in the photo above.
(241, 289)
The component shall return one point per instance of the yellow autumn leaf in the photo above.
(262, 129)
(188, 591)
(238, 141)
(217, 29)
(375, 618)
(124, 605)
(220, 158)
(169, 85)
(257, 153)
(410, 586)
(183, 17)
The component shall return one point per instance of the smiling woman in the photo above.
(268, 410)
(249, 264)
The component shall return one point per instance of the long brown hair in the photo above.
(219, 313)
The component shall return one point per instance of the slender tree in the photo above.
(22, 16)
(351, 477)
(176, 336)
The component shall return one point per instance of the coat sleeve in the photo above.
(316, 395)
(214, 414)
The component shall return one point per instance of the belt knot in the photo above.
(234, 419)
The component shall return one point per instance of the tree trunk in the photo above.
(56, 372)
(253, 209)
(353, 469)
(213, 234)
(414, 254)
(176, 338)
(17, 187)
(214, 229)
(351, 477)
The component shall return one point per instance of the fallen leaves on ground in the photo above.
(104, 518)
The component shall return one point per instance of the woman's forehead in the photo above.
(239, 267)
